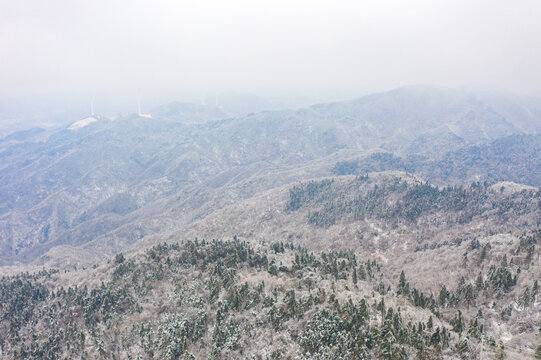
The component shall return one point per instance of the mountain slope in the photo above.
(228, 299)
(514, 158)
(117, 177)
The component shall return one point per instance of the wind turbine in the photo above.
(139, 112)
(218, 106)
(86, 121)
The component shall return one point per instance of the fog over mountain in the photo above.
(270, 180)
(108, 177)
(433, 168)
(114, 49)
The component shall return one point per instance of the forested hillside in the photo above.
(231, 299)
(117, 180)
(270, 180)
(400, 225)
(395, 201)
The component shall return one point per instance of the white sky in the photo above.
(198, 46)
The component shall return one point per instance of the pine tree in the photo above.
(445, 336)
(403, 286)
(538, 352)
(387, 336)
(525, 298)
(479, 283)
(436, 337)
(458, 323)
(443, 296)
(381, 306)
(362, 272)
(291, 302)
(463, 349)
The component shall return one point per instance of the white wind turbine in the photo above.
(86, 121)
(217, 105)
(139, 112)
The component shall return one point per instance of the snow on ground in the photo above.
(82, 123)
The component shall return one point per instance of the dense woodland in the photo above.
(230, 299)
(397, 201)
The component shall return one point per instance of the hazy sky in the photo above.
(200, 46)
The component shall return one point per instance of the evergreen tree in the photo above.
(403, 286)
(443, 296)
(463, 349)
(479, 283)
(538, 352)
(525, 298)
(458, 323)
(362, 272)
(388, 339)
(381, 306)
(435, 339)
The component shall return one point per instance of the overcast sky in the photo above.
(200, 46)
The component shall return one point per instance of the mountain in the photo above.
(123, 179)
(240, 104)
(403, 224)
(391, 214)
(189, 113)
(514, 158)
(232, 299)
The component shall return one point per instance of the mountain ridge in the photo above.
(103, 169)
